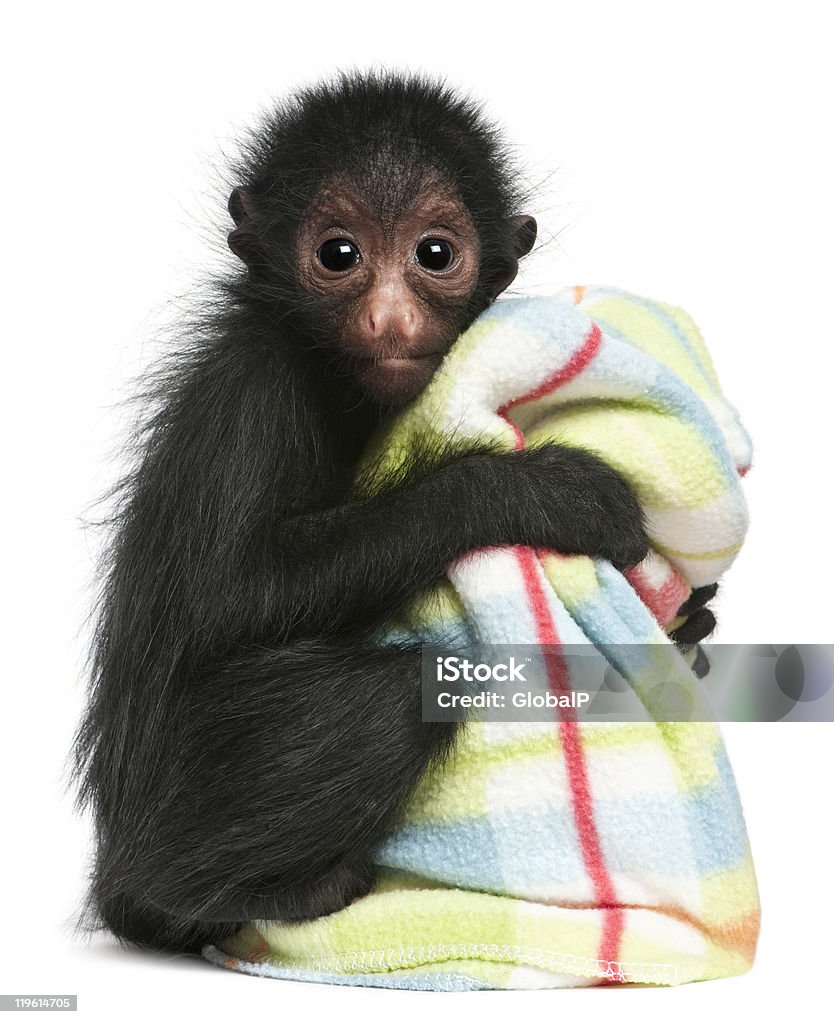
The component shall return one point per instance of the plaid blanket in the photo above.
(560, 853)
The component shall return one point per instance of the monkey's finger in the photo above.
(699, 625)
(698, 598)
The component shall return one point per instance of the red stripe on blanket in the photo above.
(662, 601)
(571, 737)
(559, 682)
(575, 365)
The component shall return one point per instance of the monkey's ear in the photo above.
(523, 230)
(243, 240)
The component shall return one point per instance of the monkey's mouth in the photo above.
(397, 363)
(396, 379)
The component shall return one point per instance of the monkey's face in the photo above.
(396, 283)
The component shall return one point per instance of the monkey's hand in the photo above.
(569, 500)
(700, 620)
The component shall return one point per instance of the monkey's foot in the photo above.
(331, 892)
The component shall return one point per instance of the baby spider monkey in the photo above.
(247, 746)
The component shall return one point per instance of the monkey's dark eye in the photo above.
(338, 254)
(434, 254)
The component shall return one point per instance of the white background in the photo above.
(682, 150)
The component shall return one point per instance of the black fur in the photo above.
(700, 620)
(247, 745)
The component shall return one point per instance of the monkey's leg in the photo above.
(279, 774)
(134, 922)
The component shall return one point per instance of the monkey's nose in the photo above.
(392, 318)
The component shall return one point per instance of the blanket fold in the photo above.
(559, 853)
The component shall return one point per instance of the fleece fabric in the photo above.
(564, 853)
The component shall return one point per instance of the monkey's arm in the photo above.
(351, 564)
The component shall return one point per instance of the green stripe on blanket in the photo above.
(555, 854)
